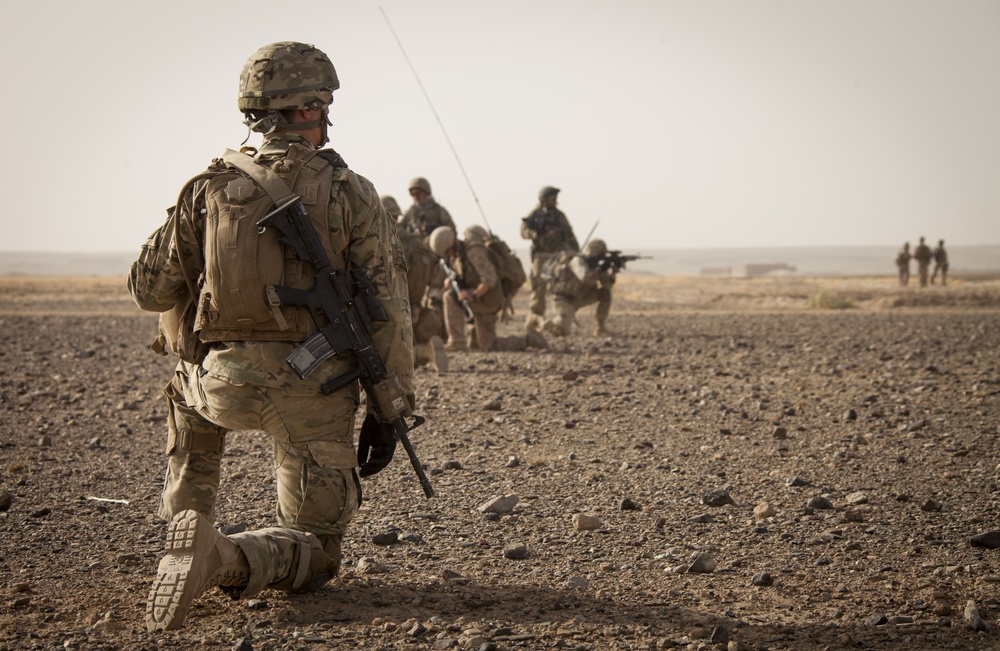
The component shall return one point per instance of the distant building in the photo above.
(750, 270)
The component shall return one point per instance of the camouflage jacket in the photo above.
(422, 220)
(360, 234)
(573, 276)
(549, 232)
(476, 264)
(423, 273)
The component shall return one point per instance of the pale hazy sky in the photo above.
(678, 123)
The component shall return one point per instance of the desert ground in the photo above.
(748, 464)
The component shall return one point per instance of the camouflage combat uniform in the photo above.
(550, 232)
(903, 264)
(922, 254)
(578, 281)
(940, 263)
(422, 220)
(474, 265)
(424, 281)
(244, 383)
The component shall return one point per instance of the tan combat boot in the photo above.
(198, 557)
(533, 322)
(421, 354)
(438, 355)
(458, 346)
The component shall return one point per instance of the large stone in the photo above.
(703, 563)
(763, 511)
(585, 522)
(499, 504)
(989, 539)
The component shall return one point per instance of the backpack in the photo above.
(512, 275)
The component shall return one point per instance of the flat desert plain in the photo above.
(771, 463)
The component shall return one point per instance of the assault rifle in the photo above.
(456, 291)
(539, 221)
(344, 317)
(615, 261)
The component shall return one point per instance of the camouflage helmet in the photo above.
(476, 233)
(420, 183)
(595, 249)
(547, 191)
(391, 206)
(287, 75)
(441, 239)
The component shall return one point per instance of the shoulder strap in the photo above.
(274, 185)
(267, 178)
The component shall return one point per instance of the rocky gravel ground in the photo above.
(725, 473)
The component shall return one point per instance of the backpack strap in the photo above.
(273, 185)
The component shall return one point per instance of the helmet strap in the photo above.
(324, 123)
(268, 124)
(275, 121)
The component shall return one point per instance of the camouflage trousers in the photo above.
(481, 334)
(566, 307)
(538, 283)
(314, 460)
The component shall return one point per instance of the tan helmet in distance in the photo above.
(595, 249)
(476, 233)
(441, 239)
(547, 191)
(390, 205)
(420, 183)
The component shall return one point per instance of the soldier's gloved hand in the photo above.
(376, 445)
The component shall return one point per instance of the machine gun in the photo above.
(344, 316)
(456, 291)
(614, 261)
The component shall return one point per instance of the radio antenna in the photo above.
(438, 118)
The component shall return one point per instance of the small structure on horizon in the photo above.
(749, 270)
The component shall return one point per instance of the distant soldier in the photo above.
(549, 232)
(579, 280)
(477, 275)
(940, 263)
(922, 254)
(425, 214)
(903, 264)
(424, 277)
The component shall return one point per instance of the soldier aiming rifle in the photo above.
(614, 261)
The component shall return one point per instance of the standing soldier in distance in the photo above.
(922, 254)
(425, 214)
(549, 232)
(424, 278)
(903, 264)
(940, 263)
(240, 379)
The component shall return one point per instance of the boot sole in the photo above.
(172, 593)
